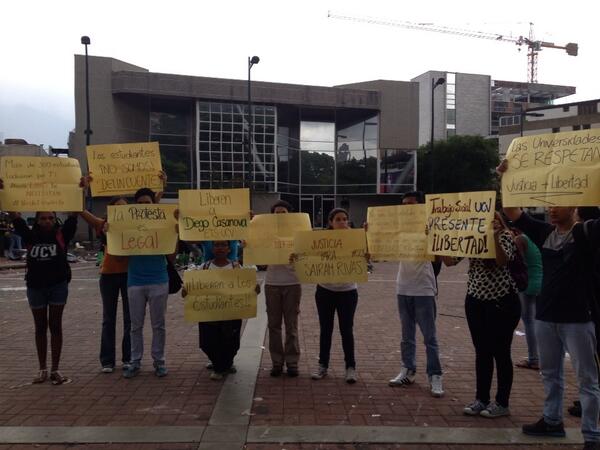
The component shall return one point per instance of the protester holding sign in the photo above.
(47, 277)
(340, 297)
(283, 292)
(493, 310)
(220, 340)
(147, 282)
(416, 289)
(564, 315)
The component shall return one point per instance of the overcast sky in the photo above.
(296, 42)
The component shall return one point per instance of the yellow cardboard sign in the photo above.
(39, 183)
(122, 169)
(554, 169)
(461, 224)
(141, 229)
(271, 237)
(397, 233)
(331, 256)
(213, 214)
(219, 295)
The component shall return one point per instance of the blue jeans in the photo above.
(528, 318)
(579, 339)
(419, 310)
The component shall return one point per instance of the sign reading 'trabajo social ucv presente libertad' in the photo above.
(271, 237)
(122, 169)
(213, 214)
(554, 169)
(331, 256)
(219, 294)
(397, 233)
(39, 183)
(141, 229)
(461, 224)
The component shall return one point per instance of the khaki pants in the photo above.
(283, 302)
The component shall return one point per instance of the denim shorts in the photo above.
(53, 295)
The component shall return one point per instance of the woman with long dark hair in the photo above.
(343, 299)
(48, 276)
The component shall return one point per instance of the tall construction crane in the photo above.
(533, 46)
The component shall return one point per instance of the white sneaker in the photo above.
(216, 376)
(350, 375)
(404, 378)
(435, 381)
(320, 373)
(108, 369)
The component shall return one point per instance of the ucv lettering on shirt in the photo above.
(43, 251)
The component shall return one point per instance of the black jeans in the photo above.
(328, 302)
(221, 342)
(110, 286)
(492, 324)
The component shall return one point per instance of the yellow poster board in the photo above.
(271, 237)
(397, 233)
(122, 169)
(461, 224)
(39, 183)
(331, 256)
(213, 214)
(141, 229)
(554, 169)
(219, 295)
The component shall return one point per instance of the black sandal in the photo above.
(42, 376)
(57, 378)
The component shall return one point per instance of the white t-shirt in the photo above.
(281, 275)
(416, 279)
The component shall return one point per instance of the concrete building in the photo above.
(316, 147)
(474, 104)
(549, 119)
(20, 147)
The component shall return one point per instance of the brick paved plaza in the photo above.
(259, 411)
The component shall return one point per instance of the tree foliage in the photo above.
(458, 164)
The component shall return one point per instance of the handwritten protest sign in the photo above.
(40, 184)
(214, 214)
(555, 169)
(219, 294)
(397, 233)
(331, 256)
(142, 229)
(122, 169)
(461, 224)
(271, 237)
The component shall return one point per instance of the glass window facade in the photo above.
(224, 161)
(171, 127)
(450, 104)
(397, 171)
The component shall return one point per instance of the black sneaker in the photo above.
(292, 372)
(591, 445)
(542, 428)
(276, 371)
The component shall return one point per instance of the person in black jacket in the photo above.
(48, 276)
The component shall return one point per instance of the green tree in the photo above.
(458, 164)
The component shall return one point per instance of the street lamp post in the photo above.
(85, 40)
(249, 165)
(434, 83)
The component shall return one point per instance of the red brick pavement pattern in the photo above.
(185, 397)
(169, 446)
(302, 401)
(403, 447)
